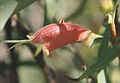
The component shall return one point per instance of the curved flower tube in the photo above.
(54, 36)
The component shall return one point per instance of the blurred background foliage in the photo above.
(19, 18)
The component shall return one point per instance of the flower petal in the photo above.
(54, 36)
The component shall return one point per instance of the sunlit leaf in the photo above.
(6, 9)
(101, 77)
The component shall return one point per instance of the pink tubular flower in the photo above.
(54, 36)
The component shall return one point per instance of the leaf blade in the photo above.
(23, 4)
(6, 9)
(102, 62)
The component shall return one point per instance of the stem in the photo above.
(12, 74)
(19, 42)
(16, 41)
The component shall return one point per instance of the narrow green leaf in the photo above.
(102, 62)
(6, 9)
(23, 4)
(104, 44)
(106, 54)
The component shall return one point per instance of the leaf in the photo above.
(104, 44)
(31, 74)
(23, 4)
(6, 9)
(9, 7)
(106, 54)
(102, 62)
(65, 62)
(54, 7)
(101, 77)
(32, 17)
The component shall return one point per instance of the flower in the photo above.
(54, 36)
